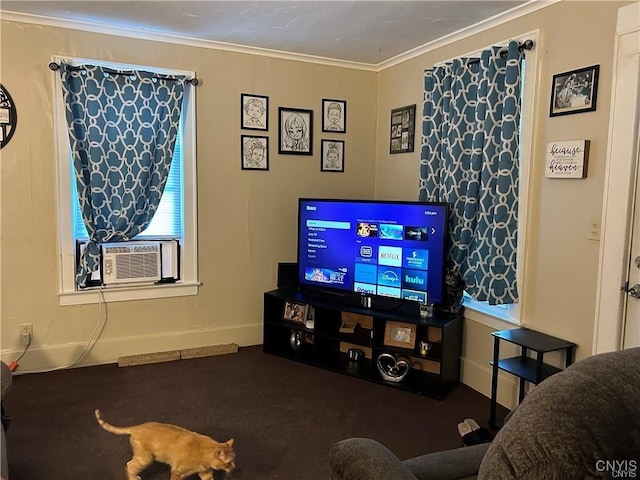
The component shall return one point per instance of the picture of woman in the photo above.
(295, 131)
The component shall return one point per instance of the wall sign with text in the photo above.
(567, 159)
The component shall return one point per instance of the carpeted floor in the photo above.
(283, 415)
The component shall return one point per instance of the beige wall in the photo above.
(247, 219)
(559, 288)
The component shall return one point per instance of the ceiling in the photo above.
(368, 32)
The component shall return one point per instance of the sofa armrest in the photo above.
(365, 459)
(455, 464)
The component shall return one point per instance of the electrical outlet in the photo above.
(26, 332)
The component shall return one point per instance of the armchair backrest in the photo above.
(583, 422)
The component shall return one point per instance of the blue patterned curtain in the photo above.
(122, 130)
(470, 159)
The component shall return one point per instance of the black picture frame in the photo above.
(8, 116)
(250, 156)
(254, 112)
(334, 115)
(402, 129)
(295, 131)
(332, 156)
(575, 91)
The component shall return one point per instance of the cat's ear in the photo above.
(224, 454)
(229, 442)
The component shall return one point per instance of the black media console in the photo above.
(431, 346)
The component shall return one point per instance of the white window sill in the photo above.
(128, 293)
(487, 320)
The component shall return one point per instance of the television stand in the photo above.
(334, 344)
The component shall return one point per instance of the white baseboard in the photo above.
(55, 357)
(478, 377)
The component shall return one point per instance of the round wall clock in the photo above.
(8, 116)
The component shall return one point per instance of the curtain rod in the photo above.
(193, 81)
(526, 45)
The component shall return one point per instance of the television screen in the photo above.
(386, 248)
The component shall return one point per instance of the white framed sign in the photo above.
(567, 159)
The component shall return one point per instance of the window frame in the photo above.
(188, 284)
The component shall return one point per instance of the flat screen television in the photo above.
(391, 249)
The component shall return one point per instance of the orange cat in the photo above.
(185, 452)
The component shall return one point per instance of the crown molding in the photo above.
(516, 12)
(143, 34)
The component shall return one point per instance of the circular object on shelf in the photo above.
(8, 116)
(295, 340)
(392, 369)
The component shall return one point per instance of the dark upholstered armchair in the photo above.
(5, 383)
(581, 423)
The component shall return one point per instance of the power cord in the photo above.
(95, 335)
(97, 331)
(25, 340)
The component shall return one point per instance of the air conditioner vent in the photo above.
(131, 262)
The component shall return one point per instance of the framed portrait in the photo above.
(398, 334)
(332, 158)
(254, 112)
(403, 121)
(575, 91)
(295, 312)
(334, 115)
(295, 131)
(254, 152)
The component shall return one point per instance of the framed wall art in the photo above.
(332, 158)
(295, 131)
(567, 159)
(254, 152)
(575, 91)
(334, 115)
(8, 116)
(255, 112)
(403, 121)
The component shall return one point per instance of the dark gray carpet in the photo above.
(283, 415)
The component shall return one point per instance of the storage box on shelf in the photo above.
(349, 339)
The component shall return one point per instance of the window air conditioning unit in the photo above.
(131, 262)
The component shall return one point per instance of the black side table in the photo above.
(524, 367)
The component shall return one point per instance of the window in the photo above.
(167, 222)
(488, 199)
(175, 218)
(482, 311)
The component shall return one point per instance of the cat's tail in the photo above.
(111, 428)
